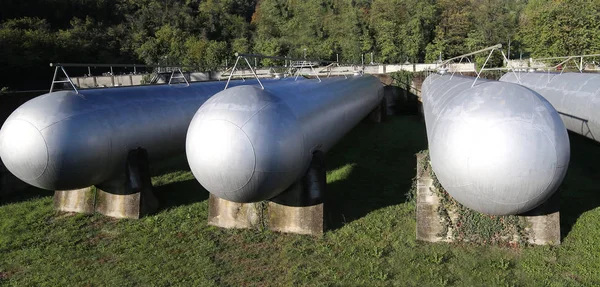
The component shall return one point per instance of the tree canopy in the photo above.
(205, 33)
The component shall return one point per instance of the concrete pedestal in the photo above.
(76, 200)
(299, 209)
(229, 214)
(128, 195)
(296, 219)
(429, 222)
(543, 222)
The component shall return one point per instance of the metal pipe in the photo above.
(247, 144)
(64, 140)
(278, 58)
(498, 46)
(498, 148)
(565, 57)
(575, 95)
(80, 65)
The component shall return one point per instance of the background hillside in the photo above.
(205, 33)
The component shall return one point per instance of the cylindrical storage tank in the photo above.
(576, 96)
(64, 140)
(247, 144)
(496, 147)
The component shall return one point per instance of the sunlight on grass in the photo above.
(173, 177)
(340, 173)
(370, 243)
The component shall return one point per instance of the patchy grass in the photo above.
(371, 241)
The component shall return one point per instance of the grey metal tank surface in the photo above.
(498, 148)
(64, 140)
(246, 144)
(576, 96)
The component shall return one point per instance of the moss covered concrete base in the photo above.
(440, 218)
(228, 214)
(544, 222)
(299, 209)
(266, 215)
(76, 200)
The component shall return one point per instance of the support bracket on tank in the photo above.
(238, 57)
(55, 81)
(328, 68)
(302, 67)
(561, 66)
(180, 76)
(447, 64)
(303, 64)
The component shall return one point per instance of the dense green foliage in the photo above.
(371, 240)
(205, 33)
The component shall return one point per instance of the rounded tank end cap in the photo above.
(221, 157)
(23, 150)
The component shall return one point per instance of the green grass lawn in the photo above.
(370, 241)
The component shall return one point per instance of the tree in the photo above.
(561, 28)
(402, 28)
(494, 22)
(451, 30)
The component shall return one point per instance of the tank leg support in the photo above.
(299, 209)
(75, 200)
(429, 222)
(379, 114)
(228, 214)
(129, 195)
(542, 223)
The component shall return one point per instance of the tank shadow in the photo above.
(179, 193)
(580, 190)
(372, 167)
(28, 193)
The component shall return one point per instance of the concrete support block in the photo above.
(296, 219)
(127, 195)
(75, 200)
(429, 222)
(228, 214)
(543, 222)
(130, 194)
(299, 209)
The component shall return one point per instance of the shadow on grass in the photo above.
(180, 193)
(580, 190)
(380, 159)
(180, 187)
(170, 164)
(26, 194)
